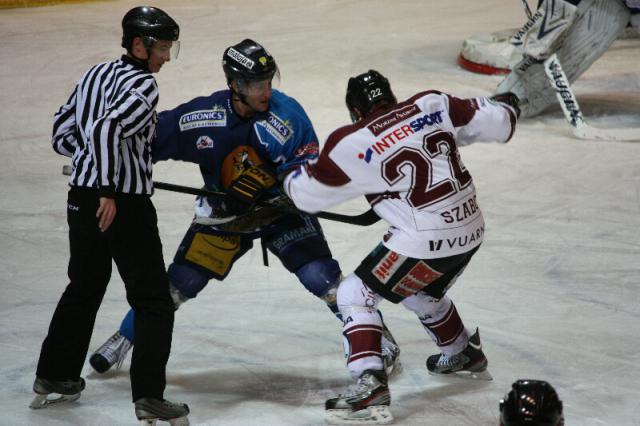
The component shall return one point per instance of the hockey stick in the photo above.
(364, 219)
(571, 109)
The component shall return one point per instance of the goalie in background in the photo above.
(577, 31)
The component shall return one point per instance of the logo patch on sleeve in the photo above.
(280, 129)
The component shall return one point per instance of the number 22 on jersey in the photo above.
(438, 151)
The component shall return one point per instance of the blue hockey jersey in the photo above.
(206, 131)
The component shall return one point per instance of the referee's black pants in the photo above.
(133, 242)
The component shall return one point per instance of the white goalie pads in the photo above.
(490, 53)
(596, 25)
(569, 104)
(493, 53)
(543, 32)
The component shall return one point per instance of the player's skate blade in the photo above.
(45, 401)
(172, 422)
(150, 410)
(365, 403)
(373, 415)
(55, 392)
(471, 363)
(470, 375)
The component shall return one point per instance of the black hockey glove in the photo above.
(510, 99)
(244, 192)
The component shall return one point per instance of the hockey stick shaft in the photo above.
(571, 110)
(364, 219)
(187, 190)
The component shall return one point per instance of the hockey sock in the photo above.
(440, 319)
(363, 333)
(126, 327)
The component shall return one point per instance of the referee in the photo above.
(106, 128)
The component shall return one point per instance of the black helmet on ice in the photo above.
(531, 403)
(150, 23)
(248, 61)
(367, 91)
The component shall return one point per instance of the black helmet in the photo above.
(531, 403)
(150, 23)
(248, 61)
(366, 91)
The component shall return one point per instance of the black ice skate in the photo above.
(50, 392)
(470, 363)
(150, 410)
(112, 352)
(365, 403)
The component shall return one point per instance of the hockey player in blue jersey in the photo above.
(241, 138)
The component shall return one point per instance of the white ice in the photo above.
(554, 289)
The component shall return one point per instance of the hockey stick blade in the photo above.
(571, 109)
(363, 219)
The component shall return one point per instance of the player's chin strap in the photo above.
(569, 104)
(241, 96)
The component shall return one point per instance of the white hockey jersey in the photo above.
(406, 162)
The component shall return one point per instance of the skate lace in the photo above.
(391, 351)
(363, 385)
(446, 361)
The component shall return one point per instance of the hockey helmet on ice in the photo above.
(366, 91)
(248, 61)
(531, 403)
(150, 23)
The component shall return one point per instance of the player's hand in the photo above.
(248, 188)
(106, 213)
(510, 99)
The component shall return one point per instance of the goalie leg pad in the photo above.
(596, 26)
(489, 53)
(540, 35)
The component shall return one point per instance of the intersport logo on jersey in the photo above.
(399, 132)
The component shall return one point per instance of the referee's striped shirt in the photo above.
(106, 128)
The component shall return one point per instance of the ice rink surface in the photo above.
(554, 288)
